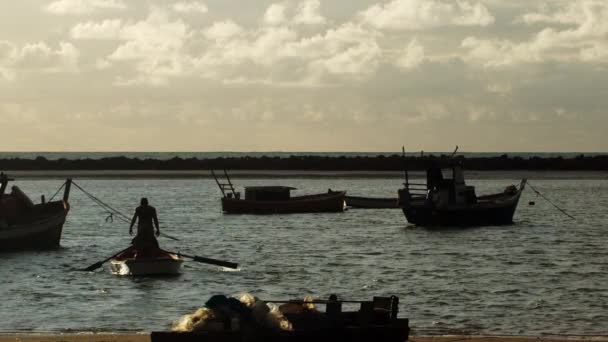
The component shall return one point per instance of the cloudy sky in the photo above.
(303, 75)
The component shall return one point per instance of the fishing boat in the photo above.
(276, 200)
(445, 200)
(295, 320)
(25, 225)
(372, 202)
(159, 262)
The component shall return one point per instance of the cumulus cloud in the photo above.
(190, 7)
(223, 30)
(61, 7)
(37, 57)
(107, 29)
(412, 55)
(426, 14)
(308, 13)
(585, 41)
(275, 14)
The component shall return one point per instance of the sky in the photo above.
(304, 75)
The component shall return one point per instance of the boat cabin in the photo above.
(268, 193)
(446, 186)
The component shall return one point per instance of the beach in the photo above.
(144, 337)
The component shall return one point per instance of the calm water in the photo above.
(545, 274)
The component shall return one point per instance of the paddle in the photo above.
(99, 263)
(208, 260)
(169, 236)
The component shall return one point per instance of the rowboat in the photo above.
(25, 225)
(372, 202)
(276, 200)
(445, 200)
(159, 262)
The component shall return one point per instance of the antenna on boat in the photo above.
(407, 180)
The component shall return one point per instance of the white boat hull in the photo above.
(143, 267)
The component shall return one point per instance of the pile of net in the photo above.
(246, 312)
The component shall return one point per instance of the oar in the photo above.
(208, 260)
(99, 263)
(169, 237)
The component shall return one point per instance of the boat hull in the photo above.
(498, 211)
(147, 266)
(330, 202)
(371, 202)
(42, 229)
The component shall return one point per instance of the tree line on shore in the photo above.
(316, 163)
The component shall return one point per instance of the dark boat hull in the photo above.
(42, 229)
(396, 332)
(330, 202)
(498, 211)
(371, 202)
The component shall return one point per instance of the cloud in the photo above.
(585, 41)
(62, 7)
(223, 30)
(308, 13)
(426, 14)
(412, 55)
(275, 14)
(107, 29)
(36, 57)
(190, 7)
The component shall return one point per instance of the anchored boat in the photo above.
(276, 199)
(25, 225)
(445, 200)
(133, 263)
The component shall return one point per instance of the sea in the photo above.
(545, 274)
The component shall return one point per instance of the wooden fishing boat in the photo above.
(445, 200)
(372, 202)
(276, 200)
(158, 262)
(374, 321)
(25, 225)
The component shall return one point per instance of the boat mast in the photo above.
(407, 178)
(66, 192)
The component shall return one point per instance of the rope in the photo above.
(548, 200)
(112, 211)
(105, 206)
(58, 190)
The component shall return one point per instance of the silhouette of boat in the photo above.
(372, 202)
(445, 200)
(133, 264)
(276, 200)
(375, 320)
(25, 225)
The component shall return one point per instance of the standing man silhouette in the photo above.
(146, 218)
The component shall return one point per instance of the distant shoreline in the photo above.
(243, 174)
(305, 163)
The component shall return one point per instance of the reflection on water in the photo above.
(545, 274)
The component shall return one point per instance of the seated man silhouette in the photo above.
(145, 242)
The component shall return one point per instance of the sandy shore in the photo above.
(89, 337)
(470, 174)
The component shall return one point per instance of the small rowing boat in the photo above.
(133, 263)
(372, 202)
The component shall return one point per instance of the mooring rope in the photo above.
(113, 211)
(548, 200)
(58, 190)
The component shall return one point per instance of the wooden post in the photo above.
(66, 192)
(42, 199)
